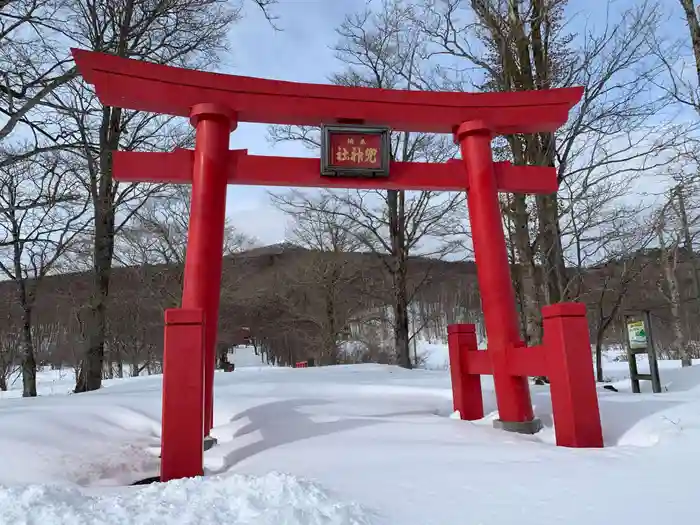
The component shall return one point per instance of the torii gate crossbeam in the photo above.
(216, 103)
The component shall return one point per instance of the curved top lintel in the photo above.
(134, 84)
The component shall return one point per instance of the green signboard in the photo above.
(637, 334)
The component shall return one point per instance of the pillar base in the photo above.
(519, 427)
(209, 442)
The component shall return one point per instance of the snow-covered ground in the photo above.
(362, 444)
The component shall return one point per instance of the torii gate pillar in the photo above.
(190, 334)
(205, 237)
(183, 431)
(497, 297)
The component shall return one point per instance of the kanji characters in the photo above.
(371, 155)
(342, 154)
(357, 155)
(349, 153)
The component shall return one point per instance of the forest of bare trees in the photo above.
(88, 264)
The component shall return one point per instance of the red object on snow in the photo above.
(216, 103)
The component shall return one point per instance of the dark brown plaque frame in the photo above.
(329, 170)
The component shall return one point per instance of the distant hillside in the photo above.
(280, 292)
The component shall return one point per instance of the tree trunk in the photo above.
(676, 311)
(554, 266)
(690, 253)
(397, 232)
(26, 298)
(530, 285)
(599, 356)
(605, 322)
(694, 28)
(3, 383)
(599, 362)
(401, 325)
(516, 271)
(90, 377)
(331, 343)
(109, 362)
(542, 151)
(678, 343)
(28, 359)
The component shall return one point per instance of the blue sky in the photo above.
(302, 52)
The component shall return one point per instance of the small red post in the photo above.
(466, 387)
(574, 397)
(493, 270)
(182, 441)
(205, 240)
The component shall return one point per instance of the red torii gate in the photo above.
(216, 103)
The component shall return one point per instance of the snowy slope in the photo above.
(245, 356)
(347, 445)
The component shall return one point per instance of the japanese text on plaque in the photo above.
(358, 153)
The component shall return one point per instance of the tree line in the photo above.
(619, 234)
(293, 304)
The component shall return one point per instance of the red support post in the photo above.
(493, 270)
(156, 88)
(182, 441)
(572, 383)
(466, 387)
(203, 262)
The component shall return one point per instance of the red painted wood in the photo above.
(466, 383)
(220, 101)
(145, 166)
(144, 86)
(205, 238)
(527, 361)
(256, 170)
(182, 439)
(565, 357)
(479, 362)
(572, 381)
(493, 272)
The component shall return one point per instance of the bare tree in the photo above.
(606, 286)
(691, 17)
(328, 269)
(614, 132)
(681, 59)
(603, 236)
(157, 234)
(134, 328)
(382, 50)
(688, 223)
(33, 64)
(180, 32)
(670, 238)
(40, 215)
(9, 353)
(598, 224)
(153, 244)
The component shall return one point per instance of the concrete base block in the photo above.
(519, 427)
